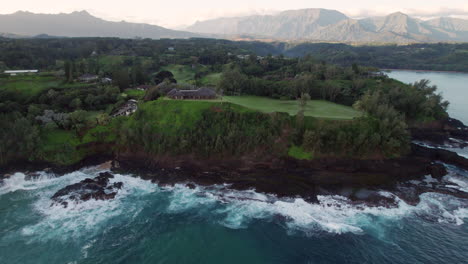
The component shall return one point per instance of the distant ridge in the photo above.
(81, 24)
(331, 25)
(322, 25)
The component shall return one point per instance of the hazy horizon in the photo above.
(179, 13)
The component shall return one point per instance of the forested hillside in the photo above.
(50, 54)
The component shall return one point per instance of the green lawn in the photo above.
(182, 73)
(211, 79)
(315, 108)
(25, 87)
(135, 94)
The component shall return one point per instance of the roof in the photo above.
(206, 92)
(87, 75)
(144, 86)
(22, 71)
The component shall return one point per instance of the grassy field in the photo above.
(211, 79)
(135, 94)
(182, 73)
(315, 108)
(25, 87)
(172, 116)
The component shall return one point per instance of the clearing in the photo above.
(315, 108)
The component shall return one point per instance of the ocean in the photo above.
(146, 223)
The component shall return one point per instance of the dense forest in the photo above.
(46, 53)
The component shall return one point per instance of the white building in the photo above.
(16, 72)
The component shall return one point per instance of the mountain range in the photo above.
(81, 24)
(331, 25)
(296, 25)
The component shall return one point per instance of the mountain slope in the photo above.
(81, 24)
(288, 24)
(331, 25)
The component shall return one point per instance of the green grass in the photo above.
(211, 79)
(26, 87)
(182, 73)
(135, 94)
(172, 116)
(299, 153)
(314, 108)
(60, 147)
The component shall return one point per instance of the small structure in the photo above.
(201, 93)
(16, 72)
(171, 49)
(376, 74)
(143, 87)
(127, 109)
(88, 78)
(106, 80)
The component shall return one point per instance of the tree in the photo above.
(164, 75)
(68, 71)
(78, 121)
(300, 127)
(121, 78)
(233, 82)
(76, 104)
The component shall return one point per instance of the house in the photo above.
(201, 93)
(127, 109)
(88, 78)
(171, 49)
(16, 72)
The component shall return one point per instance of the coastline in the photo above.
(289, 177)
(386, 70)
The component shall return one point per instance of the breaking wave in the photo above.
(233, 209)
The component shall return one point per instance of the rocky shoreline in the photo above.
(358, 180)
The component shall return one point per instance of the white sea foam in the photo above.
(333, 214)
(18, 181)
(231, 208)
(80, 218)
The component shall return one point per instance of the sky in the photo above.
(179, 13)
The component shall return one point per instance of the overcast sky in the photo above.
(174, 13)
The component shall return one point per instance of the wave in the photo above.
(332, 214)
(232, 209)
(82, 218)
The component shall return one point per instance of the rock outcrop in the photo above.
(98, 188)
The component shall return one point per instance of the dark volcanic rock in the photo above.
(441, 132)
(443, 155)
(97, 188)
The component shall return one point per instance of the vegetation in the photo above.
(202, 128)
(269, 105)
(315, 108)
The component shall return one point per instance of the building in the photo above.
(201, 93)
(16, 72)
(106, 80)
(143, 87)
(88, 78)
(127, 109)
(171, 49)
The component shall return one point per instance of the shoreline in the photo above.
(429, 71)
(289, 177)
